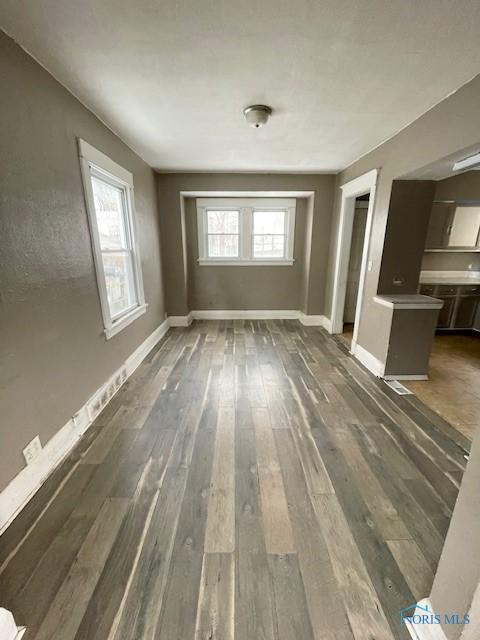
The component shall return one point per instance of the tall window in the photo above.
(246, 231)
(269, 234)
(109, 196)
(223, 234)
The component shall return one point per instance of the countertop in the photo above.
(450, 277)
(409, 301)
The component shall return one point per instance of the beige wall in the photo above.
(53, 353)
(450, 126)
(229, 288)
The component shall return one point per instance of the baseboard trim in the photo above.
(406, 376)
(425, 631)
(25, 484)
(245, 314)
(368, 360)
(251, 314)
(180, 321)
(315, 321)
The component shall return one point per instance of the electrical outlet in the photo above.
(32, 450)
(370, 265)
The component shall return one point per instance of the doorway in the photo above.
(354, 267)
(351, 261)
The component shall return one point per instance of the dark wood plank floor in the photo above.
(249, 481)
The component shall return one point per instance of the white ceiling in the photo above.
(171, 76)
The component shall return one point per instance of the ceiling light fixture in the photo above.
(467, 163)
(257, 115)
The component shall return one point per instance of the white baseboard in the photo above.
(406, 376)
(17, 493)
(248, 314)
(8, 628)
(242, 314)
(315, 321)
(180, 321)
(425, 631)
(368, 360)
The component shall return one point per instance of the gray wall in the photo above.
(53, 353)
(449, 127)
(189, 287)
(248, 287)
(408, 215)
(465, 186)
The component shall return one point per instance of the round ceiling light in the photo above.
(257, 115)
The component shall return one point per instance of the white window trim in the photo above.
(246, 206)
(92, 160)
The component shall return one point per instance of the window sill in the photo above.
(246, 263)
(124, 321)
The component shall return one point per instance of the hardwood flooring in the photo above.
(249, 481)
(453, 387)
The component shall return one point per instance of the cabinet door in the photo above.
(466, 310)
(445, 315)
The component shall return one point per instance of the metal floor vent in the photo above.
(398, 387)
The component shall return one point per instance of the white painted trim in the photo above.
(361, 185)
(231, 202)
(95, 163)
(241, 314)
(351, 190)
(8, 628)
(247, 194)
(15, 496)
(249, 314)
(314, 321)
(99, 159)
(245, 209)
(368, 360)
(219, 262)
(180, 321)
(425, 631)
(406, 376)
(124, 321)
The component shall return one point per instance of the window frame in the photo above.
(246, 207)
(95, 164)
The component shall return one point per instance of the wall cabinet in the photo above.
(461, 305)
(454, 226)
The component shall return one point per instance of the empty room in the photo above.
(239, 320)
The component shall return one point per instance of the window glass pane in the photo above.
(223, 246)
(268, 246)
(120, 282)
(109, 207)
(268, 222)
(222, 221)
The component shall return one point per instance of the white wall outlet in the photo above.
(370, 265)
(32, 450)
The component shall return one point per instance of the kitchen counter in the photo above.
(409, 301)
(450, 277)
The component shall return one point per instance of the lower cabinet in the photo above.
(446, 312)
(466, 311)
(461, 305)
